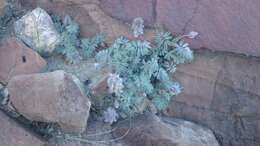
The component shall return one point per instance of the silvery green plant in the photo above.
(69, 31)
(71, 41)
(143, 71)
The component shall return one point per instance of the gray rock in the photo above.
(37, 30)
(148, 129)
(54, 97)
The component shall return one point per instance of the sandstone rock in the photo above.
(91, 18)
(221, 91)
(37, 30)
(128, 10)
(148, 129)
(93, 75)
(112, 27)
(222, 25)
(12, 134)
(55, 97)
(16, 59)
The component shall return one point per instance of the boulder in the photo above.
(148, 129)
(37, 30)
(55, 97)
(93, 75)
(16, 59)
(221, 91)
(12, 134)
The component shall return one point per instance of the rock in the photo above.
(91, 18)
(93, 75)
(222, 25)
(55, 97)
(67, 7)
(16, 59)
(112, 27)
(63, 142)
(12, 134)
(148, 129)
(97, 134)
(221, 91)
(37, 30)
(3, 3)
(128, 10)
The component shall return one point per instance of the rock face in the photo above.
(222, 25)
(90, 16)
(128, 10)
(148, 129)
(12, 134)
(222, 92)
(54, 97)
(37, 30)
(16, 59)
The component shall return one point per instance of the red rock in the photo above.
(12, 134)
(91, 18)
(148, 130)
(55, 97)
(127, 10)
(220, 91)
(223, 25)
(16, 59)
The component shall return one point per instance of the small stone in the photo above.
(37, 30)
(55, 97)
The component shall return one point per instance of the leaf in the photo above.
(89, 45)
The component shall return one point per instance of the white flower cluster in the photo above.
(192, 34)
(110, 115)
(138, 26)
(115, 84)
